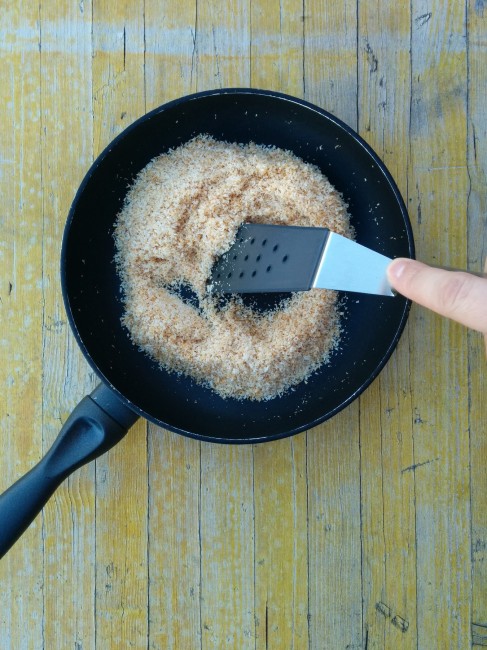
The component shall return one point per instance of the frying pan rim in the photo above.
(92, 170)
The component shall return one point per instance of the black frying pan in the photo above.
(132, 384)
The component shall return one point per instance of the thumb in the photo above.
(454, 294)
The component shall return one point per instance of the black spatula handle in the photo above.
(97, 423)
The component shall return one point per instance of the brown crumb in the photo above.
(181, 213)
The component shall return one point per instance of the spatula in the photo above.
(270, 258)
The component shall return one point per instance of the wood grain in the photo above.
(477, 257)
(121, 475)
(281, 575)
(368, 531)
(440, 189)
(21, 293)
(333, 451)
(69, 518)
(388, 488)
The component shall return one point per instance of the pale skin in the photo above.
(454, 294)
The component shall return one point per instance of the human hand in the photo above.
(454, 294)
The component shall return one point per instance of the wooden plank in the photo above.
(330, 57)
(174, 462)
(118, 68)
(439, 357)
(388, 521)
(70, 516)
(21, 292)
(226, 511)
(121, 475)
(335, 598)
(281, 559)
(280, 491)
(477, 256)
(387, 458)
(227, 547)
(277, 46)
(333, 452)
(174, 541)
(170, 51)
(222, 50)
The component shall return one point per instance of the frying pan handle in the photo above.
(97, 423)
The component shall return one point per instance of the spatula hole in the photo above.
(275, 247)
(257, 259)
(241, 274)
(264, 242)
(268, 269)
(254, 273)
(285, 258)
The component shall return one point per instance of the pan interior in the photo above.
(91, 287)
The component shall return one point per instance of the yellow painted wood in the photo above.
(280, 530)
(222, 44)
(174, 462)
(121, 475)
(227, 547)
(279, 469)
(21, 292)
(438, 183)
(226, 480)
(277, 46)
(334, 531)
(69, 518)
(366, 532)
(333, 452)
(330, 57)
(388, 517)
(170, 51)
(477, 259)
(175, 537)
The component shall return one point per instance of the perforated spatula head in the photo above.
(270, 258)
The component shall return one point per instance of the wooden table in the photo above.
(369, 531)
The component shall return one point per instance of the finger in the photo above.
(454, 294)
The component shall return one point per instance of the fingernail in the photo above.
(397, 267)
